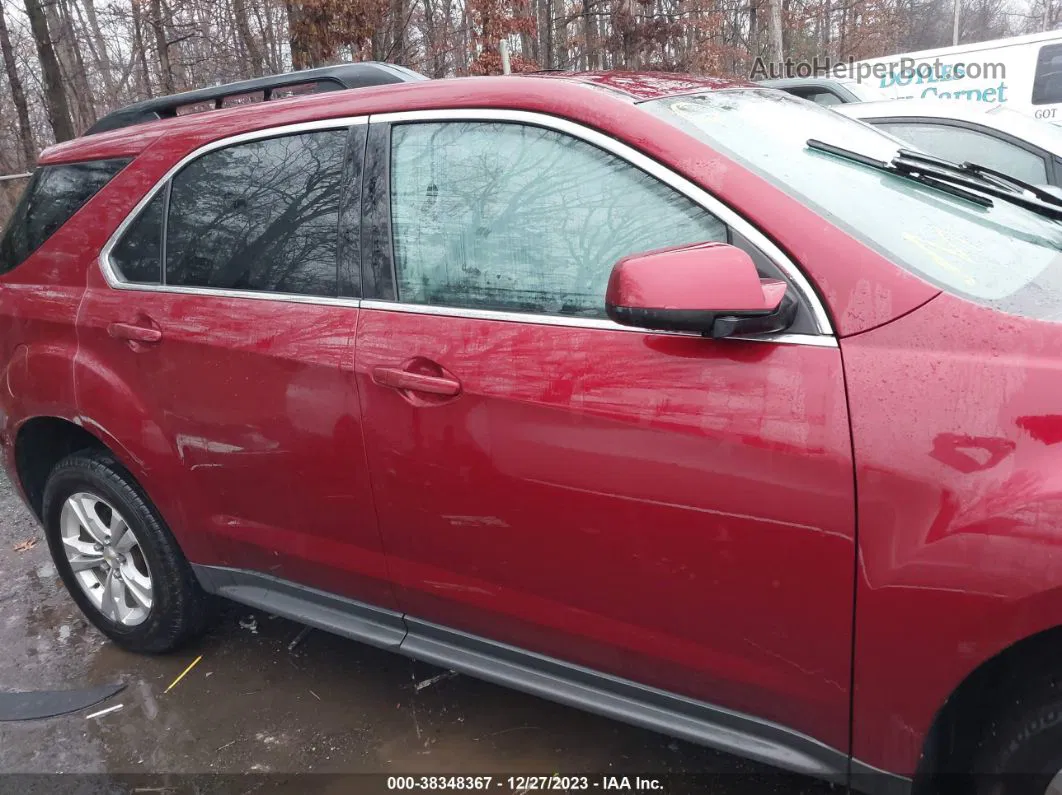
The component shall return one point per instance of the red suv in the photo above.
(687, 402)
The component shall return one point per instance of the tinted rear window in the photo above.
(53, 195)
(262, 215)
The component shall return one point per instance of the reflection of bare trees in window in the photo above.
(53, 195)
(259, 216)
(507, 216)
(138, 255)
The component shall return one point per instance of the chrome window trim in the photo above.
(115, 280)
(824, 339)
(816, 340)
(644, 163)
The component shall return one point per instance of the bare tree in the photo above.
(69, 61)
(777, 48)
(18, 95)
(54, 90)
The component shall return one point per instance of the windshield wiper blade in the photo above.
(954, 179)
(955, 175)
(984, 171)
(889, 168)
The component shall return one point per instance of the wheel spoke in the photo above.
(109, 604)
(138, 585)
(84, 508)
(81, 554)
(121, 539)
(75, 546)
(85, 562)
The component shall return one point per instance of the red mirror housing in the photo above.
(711, 288)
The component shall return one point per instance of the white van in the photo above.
(1023, 72)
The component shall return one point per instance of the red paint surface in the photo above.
(250, 409)
(956, 426)
(708, 276)
(666, 508)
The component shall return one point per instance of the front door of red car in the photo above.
(667, 508)
(239, 356)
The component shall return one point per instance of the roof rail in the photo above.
(325, 78)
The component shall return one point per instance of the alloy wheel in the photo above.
(106, 558)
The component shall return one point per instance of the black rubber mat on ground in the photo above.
(49, 703)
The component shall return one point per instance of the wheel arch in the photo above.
(951, 744)
(39, 444)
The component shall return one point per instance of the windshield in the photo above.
(1003, 255)
(865, 92)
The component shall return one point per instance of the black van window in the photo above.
(52, 196)
(262, 215)
(1047, 87)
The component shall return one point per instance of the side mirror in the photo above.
(710, 288)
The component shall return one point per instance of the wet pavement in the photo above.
(254, 716)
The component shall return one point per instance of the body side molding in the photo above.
(553, 679)
(337, 614)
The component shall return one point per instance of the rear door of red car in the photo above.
(666, 508)
(237, 357)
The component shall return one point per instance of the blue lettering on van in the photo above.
(997, 94)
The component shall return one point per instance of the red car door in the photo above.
(665, 508)
(236, 361)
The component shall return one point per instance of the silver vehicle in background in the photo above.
(995, 136)
(826, 91)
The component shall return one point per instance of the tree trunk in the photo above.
(545, 34)
(54, 95)
(827, 25)
(301, 57)
(141, 50)
(70, 61)
(275, 61)
(162, 47)
(399, 32)
(561, 36)
(754, 32)
(436, 56)
(776, 31)
(18, 96)
(103, 58)
(250, 46)
(590, 32)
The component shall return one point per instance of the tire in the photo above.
(89, 496)
(1020, 753)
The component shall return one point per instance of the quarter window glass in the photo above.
(138, 255)
(962, 145)
(259, 216)
(519, 218)
(53, 195)
(1047, 86)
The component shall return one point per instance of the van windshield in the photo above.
(1003, 255)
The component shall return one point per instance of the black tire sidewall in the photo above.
(103, 476)
(1022, 754)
